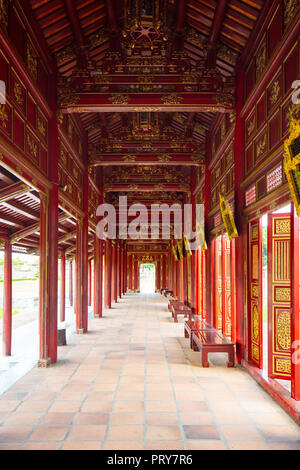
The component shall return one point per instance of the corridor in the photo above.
(133, 383)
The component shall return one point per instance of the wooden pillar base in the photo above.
(44, 363)
(80, 331)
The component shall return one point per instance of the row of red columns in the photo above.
(115, 271)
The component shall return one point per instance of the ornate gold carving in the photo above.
(274, 92)
(67, 53)
(227, 54)
(251, 127)
(261, 58)
(254, 289)
(232, 117)
(171, 98)
(164, 158)
(147, 109)
(290, 10)
(67, 97)
(18, 94)
(59, 117)
(255, 352)
(224, 99)
(282, 226)
(193, 36)
(254, 233)
(261, 146)
(41, 127)
(197, 158)
(3, 115)
(33, 148)
(223, 129)
(4, 13)
(282, 294)
(283, 366)
(129, 158)
(32, 62)
(63, 157)
(119, 98)
(255, 323)
(283, 329)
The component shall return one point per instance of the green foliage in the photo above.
(14, 312)
(265, 246)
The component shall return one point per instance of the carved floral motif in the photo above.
(171, 98)
(119, 98)
(3, 116)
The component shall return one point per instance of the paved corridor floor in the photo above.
(133, 383)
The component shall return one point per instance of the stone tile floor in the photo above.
(133, 383)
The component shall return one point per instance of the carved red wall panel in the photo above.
(255, 329)
(279, 299)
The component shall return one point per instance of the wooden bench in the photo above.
(191, 326)
(211, 341)
(184, 310)
(168, 292)
(174, 302)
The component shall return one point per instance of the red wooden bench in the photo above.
(184, 310)
(191, 326)
(211, 341)
(174, 302)
(168, 292)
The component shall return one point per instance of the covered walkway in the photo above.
(132, 382)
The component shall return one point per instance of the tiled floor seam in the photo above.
(175, 398)
(116, 390)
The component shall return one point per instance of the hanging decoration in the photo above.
(187, 245)
(228, 218)
(179, 250)
(174, 251)
(201, 237)
(292, 161)
(145, 21)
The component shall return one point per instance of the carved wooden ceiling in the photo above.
(85, 34)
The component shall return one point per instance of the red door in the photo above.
(279, 296)
(255, 328)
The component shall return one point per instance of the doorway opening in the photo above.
(147, 278)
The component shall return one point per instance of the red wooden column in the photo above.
(49, 249)
(120, 258)
(7, 301)
(82, 260)
(108, 269)
(115, 272)
(48, 278)
(295, 320)
(194, 279)
(62, 286)
(117, 267)
(239, 156)
(82, 276)
(71, 282)
(78, 277)
(90, 282)
(124, 269)
(98, 281)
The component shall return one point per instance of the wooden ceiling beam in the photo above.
(21, 209)
(66, 237)
(217, 22)
(77, 31)
(10, 221)
(13, 190)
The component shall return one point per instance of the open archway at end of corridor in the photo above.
(147, 278)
